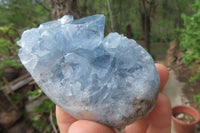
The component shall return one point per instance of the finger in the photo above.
(160, 117)
(85, 126)
(164, 75)
(137, 127)
(64, 120)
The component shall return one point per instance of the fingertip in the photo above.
(85, 126)
(164, 75)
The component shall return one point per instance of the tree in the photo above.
(22, 13)
(190, 40)
(181, 6)
(146, 8)
(64, 7)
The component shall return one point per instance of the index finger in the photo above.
(164, 75)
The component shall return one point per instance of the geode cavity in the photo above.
(110, 80)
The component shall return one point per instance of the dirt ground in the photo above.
(190, 89)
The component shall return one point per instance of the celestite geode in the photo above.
(110, 80)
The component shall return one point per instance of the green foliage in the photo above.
(8, 48)
(137, 36)
(166, 15)
(8, 52)
(41, 126)
(10, 62)
(190, 39)
(14, 16)
(35, 94)
(41, 117)
(197, 99)
(45, 107)
(195, 78)
(1, 73)
(17, 97)
(23, 12)
(8, 37)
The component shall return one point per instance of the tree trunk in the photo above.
(64, 7)
(142, 19)
(145, 9)
(120, 16)
(84, 11)
(129, 32)
(147, 32)
(111, 17)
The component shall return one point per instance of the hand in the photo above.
(159, 120)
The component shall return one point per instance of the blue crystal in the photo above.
(110, 80)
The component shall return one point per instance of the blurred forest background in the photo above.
(152, 23)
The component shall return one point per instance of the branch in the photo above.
(110, 12)
(52, 124)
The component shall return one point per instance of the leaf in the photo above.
(35, 94)
(45, 107)
(197, 99)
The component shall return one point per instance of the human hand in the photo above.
(159, 120)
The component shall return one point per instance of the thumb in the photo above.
(85, 126)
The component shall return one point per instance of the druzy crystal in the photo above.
(110, 80)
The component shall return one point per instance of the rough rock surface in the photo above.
(110, 80)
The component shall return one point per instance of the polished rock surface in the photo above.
(110, 80)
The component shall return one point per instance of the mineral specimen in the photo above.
(110, 80)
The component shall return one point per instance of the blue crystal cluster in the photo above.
(110, 80)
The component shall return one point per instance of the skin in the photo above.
(159, 120)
